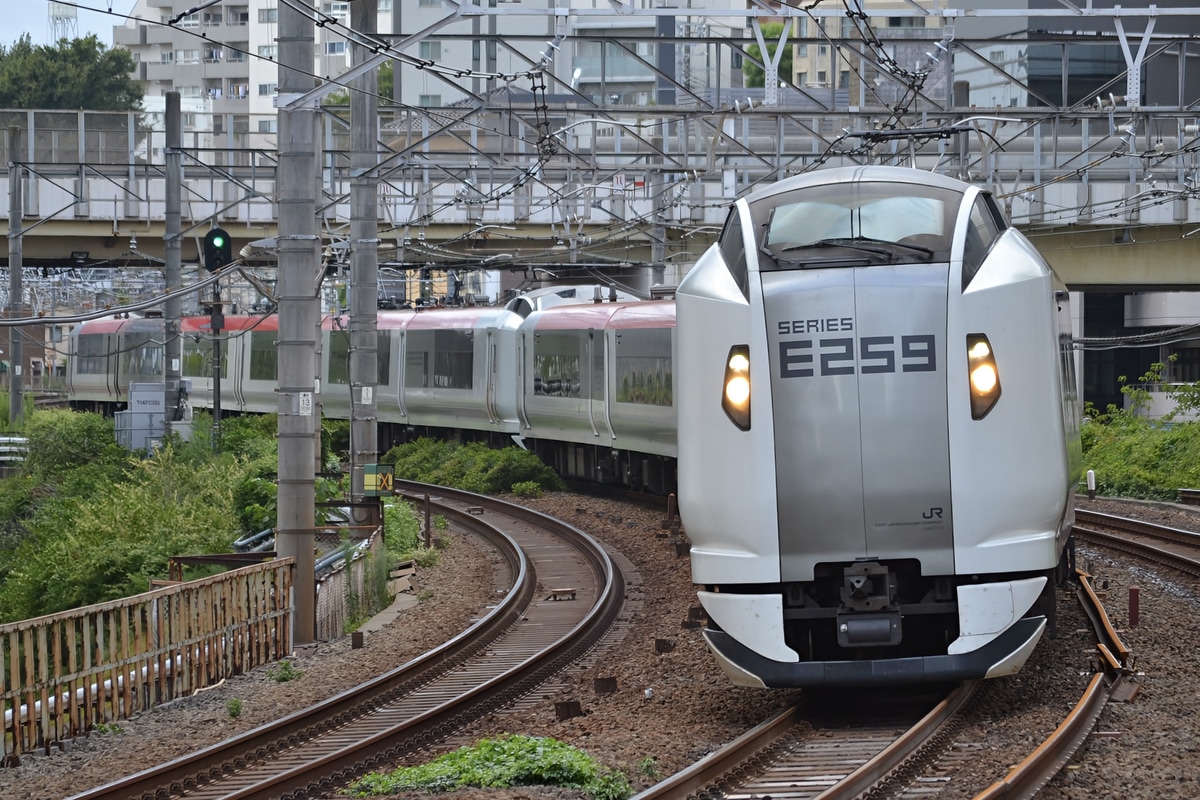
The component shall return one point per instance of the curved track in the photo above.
(1175, 548)
(530, 635)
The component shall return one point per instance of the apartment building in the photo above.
(225, 55)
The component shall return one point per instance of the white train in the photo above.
(864, 506)
(585, 384)
(879, 441)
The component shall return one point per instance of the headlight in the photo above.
(735, 398)
(983, 374)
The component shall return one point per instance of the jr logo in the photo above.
(933, 513)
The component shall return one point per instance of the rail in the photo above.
(1028, 777)
(63, 674)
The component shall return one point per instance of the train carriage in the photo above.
(110, 353)
(459, 369)
(598, 378)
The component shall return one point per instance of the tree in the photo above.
(341, 97)
(754, 74)
(72, 74)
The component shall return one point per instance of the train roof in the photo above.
(469, 317)
(866, 174)
(646, 314)
(117, 324)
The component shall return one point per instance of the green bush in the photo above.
(503, 762)
(284, 671)
(63, 441)
(1136, 457)
(474, 467)
(251, 437)
(89, 547)
(527, 489)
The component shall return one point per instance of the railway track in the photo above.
(565, 594)
(791, 757)
(1176, 548)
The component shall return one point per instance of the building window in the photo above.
(268, 51)
(187, 56)
(268, 15)
(905, 22)
(213, 54)
(428, 3)
(429, 101)
(239, 17)
(210, 19)
(267, 126)
(385, 5)
(337, 9)
(235, 56)
(167, 57)
(430, 51)
(190, 21)
(802, 78)
(822, 77)
(267, 89)
(239, 91)
(844, 79)
(335, 48)
(188, 91)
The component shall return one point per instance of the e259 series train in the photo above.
(878, 429)
(879, 440)
(583, 383)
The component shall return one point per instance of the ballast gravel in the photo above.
(672, 705)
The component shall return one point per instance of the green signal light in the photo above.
(218, 241)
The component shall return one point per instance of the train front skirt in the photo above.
(996, 641)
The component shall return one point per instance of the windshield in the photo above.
(872, 223)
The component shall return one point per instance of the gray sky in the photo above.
(32, 17)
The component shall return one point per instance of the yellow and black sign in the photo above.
(377, 480)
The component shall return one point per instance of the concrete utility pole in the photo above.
(173, 245)
(299, 312)
(364, 262)
(16, 210)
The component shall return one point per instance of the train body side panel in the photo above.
(725, 474)
(1017, 451)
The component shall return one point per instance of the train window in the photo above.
(198, 358)
(875, 223)
(91, 354)
(643, 366)
(983, 229)
(339, 358)
(142, 356)
(733, 250)
(264, 363)
(383, 357)
(557, 366)
(597, 380)
(440, 360)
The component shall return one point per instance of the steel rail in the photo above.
(341, 761)
(1027, 778)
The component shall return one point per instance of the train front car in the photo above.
(878, 433)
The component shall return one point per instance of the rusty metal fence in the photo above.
(63, 674)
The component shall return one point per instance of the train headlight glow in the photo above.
(983, 378)
(735, 398)
(983, 374)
